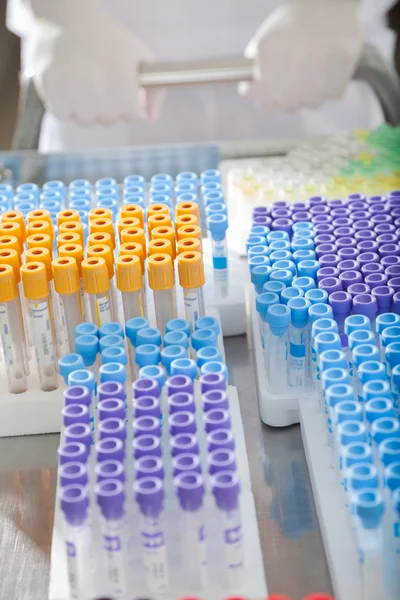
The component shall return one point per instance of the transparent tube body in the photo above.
(78, 542)
(297, 356)
(84, 302)
(43, 343)
(233, 546)
(194, 305)
(154, 553)
(112, 296)
(132, 303)
(12, 338)
(100, 309)
(219, 251)
(165, 307)
(370, 550)
(57, 321)
(114, 546)
(72, 309)
(195, 549)
(277, 360)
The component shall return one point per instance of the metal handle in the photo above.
(196, 72)
(372, 69)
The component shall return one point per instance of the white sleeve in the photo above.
(19, 17)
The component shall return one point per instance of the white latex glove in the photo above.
(305, 53)
(85, 64)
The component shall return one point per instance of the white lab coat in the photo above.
(179, 30)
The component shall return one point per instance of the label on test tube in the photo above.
(103, 310)
(297, 357)
(155, 558)
(42, 336)
(220, 261)
(6, 336)
(233, 540)
(192, 306)
(115, 563)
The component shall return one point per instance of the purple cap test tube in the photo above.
(110, 469)
(149, 493)
(73, 472)
(365, 304)
(348, 253)
(394, 283)
(77, 394)
(111, 389)
(190, 491)
(146, 425)
(145, 387)
(325, 272)
(184, 442)
(368, 246)
(110, 449)
(226, 489)
(346, 242)
(220, 438)
(348, 264)
(146, 445)
(358, 288)
(216, 418)
(182, 422)
(215, 399)
(149, 466)
(146, 405)
(221, 459)
(329, 260)
(110, 494)
(370, 268)
(384, 298)
(112, 427)
(179, 383)
(330, 284)
(375, 280)
(212, 381)
(367, 257)
(111, 407)
(79, 432)
(349, 277)
(75, 413)
(181, 401)
(184, 462)
(74, 503)
(72, 452)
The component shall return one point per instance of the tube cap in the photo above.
(161, 272)
(147, 354)
(69, 363)
(95, 276)
(87, 346)
(165, 232)
(128, 273)
(74, 251)
(112, 372)
(160, 246)
(132, 210)
(184, 366)
(133, 249)
(365, 304)
(72, 227)
(212, 381)
(103, 251)
(133, 326)
(203, 337)
(66, 276)
(102, 225)
(189, 231)
(356, 323)
(40, 255)
(146, 405)
(74, 503)
(63, 216)
(191, 270)
(225, 487)
(34, 280)
(179, 383)
(8, 284)
(68, 238)
(111, 407)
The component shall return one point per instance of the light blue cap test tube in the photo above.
(289, 293)
(208, 323)
(385, 428)
(83, 377)
(114, 354)
(214, 367)
(392, 476)
(332, 358)
(386, 320)
(110, 340)
(112, 372)
(207, 354)
(360, 336)
(362, 476)
(111, 329)
(176, 338)
(372, 370)
(308, 268)
(319, 311)
(170, 353)
(365, 352)
(377, 408)
(133, 326)
(276, 287)
(377, 388)
(68, 364)
(264, 301)
(178, 325)
(348, 411)
(356, 323)
(184, 366)
(155, 372)
(305, 283)
(203, 337)
(284, 276)
(147, 354)
(86, 329)
(351, 431)
(148, 335)
(88, 347)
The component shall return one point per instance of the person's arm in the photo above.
(394, 23)
(305, 54)
(85, 63)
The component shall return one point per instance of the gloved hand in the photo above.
(305, 53)
(86, 64)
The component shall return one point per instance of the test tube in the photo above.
(12, 331)
(67, 286)
(78, 539)
(149, 492)
(110, 497)
(217, 225)
(97, 286)
(225, 487)
(36, 290)
(190, 491)
(368, 511)
(162, 282)
(191, 279)
(129, 283)
(278, 319)
(298, 340)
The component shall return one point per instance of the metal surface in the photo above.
(196, 72)
(293, 554)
